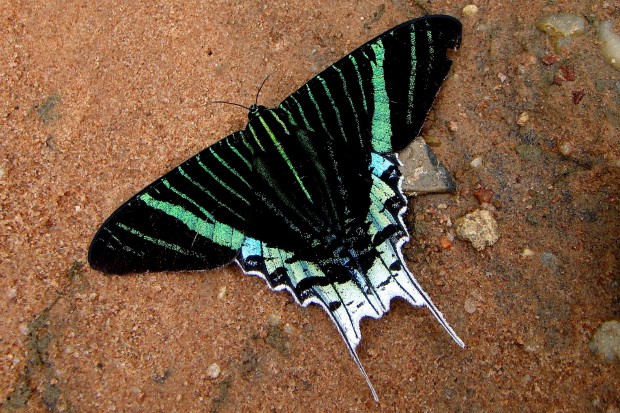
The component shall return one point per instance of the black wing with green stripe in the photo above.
(378, 96)
(192, 218)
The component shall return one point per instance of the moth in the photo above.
(308, 196)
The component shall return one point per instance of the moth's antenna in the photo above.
(259, 89)
(230, 103)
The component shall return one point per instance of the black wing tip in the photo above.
(99, 259)
(454, 31)
(94, 254)
(117, 261)
(109, 261)
(450, 26)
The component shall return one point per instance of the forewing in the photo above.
(378, 96)
(192, 218)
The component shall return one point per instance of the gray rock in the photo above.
(423, 173)
(606, 341)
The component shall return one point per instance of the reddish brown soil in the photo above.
(99, 98)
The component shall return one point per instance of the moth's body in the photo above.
(308, 195)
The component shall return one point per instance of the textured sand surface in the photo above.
(97, 99)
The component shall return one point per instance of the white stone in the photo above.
(213, 371)
(479, 228)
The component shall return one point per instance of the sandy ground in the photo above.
(99, 98)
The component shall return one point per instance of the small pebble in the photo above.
(526, 253)
(578, 95)
(213, 371)
(523, 118)
(561, 27)
(502, 77)
(606, 341)
(274, 319)
(11, 293)
(479, 228)
(483, 195)
(445, 243)
(470, 305)
(453, 126)
(610, 44)
(564, 74)
(566, 148)
(476, 163)
(222, 293)
(23, 328)
(432, 141)
(549, 60)
(470, 10)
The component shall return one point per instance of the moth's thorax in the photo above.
(256, 111)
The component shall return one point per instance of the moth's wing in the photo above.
(374, 101)
(364, 283)
(192, 218)
(378, 96)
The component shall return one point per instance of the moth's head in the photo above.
(255, 111)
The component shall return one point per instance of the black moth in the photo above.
(308, 195)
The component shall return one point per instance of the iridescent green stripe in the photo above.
(359, 79)
(289, 115)
(225, 164)
(188, 199)
(381, 126)
(246, 143)
(333, 105)
(207, 192)
(431, 48)
(218, 180)
(317, 107)
(412, 76)
(247, 163)
(157, 241)
(284, 156)
(218, 232)
(280, 121)
(255, 136)
(348, 95)
(301, 112)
